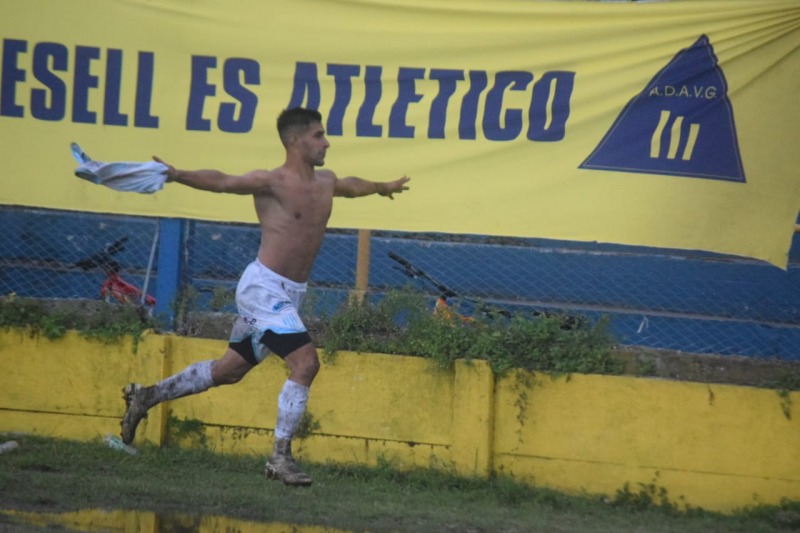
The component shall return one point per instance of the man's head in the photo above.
(295, 121)
(301, 132)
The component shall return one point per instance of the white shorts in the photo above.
(268, 320)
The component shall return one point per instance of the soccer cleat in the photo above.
(135, 411)
(282, 466)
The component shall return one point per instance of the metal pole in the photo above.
(146, 285)
(170, 269)
(362, 265)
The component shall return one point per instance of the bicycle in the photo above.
(114, 287)
(443, 309)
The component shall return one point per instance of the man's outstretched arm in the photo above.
(218, 181)
(353, 187)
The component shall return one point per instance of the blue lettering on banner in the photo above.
(249, 71)
(306, 82)
(84, 81)
(448, 82)
(49, 103)
(406, 95)
(548, 120)
(11, 75)
(365, 125)
(144, 92)
(492, 124)
(681, 124)
(64, 75)
(201, 89)
(342, 75)
(85, 84)
(478, 80)
(111, 113)
(547, 114)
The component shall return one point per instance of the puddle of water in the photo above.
(97, 520)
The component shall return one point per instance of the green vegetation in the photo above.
(20, 313)
(308, 425)
(110, 325)
(401, 323)
(783, 386)
(51, 475)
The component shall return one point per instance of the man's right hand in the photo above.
(171, 172)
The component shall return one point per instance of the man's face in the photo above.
(314, 144)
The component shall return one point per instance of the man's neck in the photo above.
(300, 167)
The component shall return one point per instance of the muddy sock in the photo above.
(291, 407)
(191, 380)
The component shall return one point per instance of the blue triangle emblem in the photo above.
(681, 124)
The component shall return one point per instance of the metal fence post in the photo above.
(362, 266)
(170, 269)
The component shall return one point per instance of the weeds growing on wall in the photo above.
(115, 323)
(784, 386)
(19, 313)
(185, 430)
(308, 425)
(108, 323)
(402, 323)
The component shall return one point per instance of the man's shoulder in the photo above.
(325, 175)
(268, 179)
(265, 173)
(324, 172)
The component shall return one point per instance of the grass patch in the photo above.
(53, 475)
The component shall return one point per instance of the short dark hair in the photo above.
(296, 118)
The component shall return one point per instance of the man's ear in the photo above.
(292, 138)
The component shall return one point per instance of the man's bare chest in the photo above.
(303, 205)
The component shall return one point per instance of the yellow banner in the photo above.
(667, 124)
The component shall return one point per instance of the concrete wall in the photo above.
(713, 446)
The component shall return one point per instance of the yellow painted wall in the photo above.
(72, 388)
(713, 446)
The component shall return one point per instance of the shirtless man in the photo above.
(293, 203)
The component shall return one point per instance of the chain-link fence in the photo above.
(48, 254)
(689, 301)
